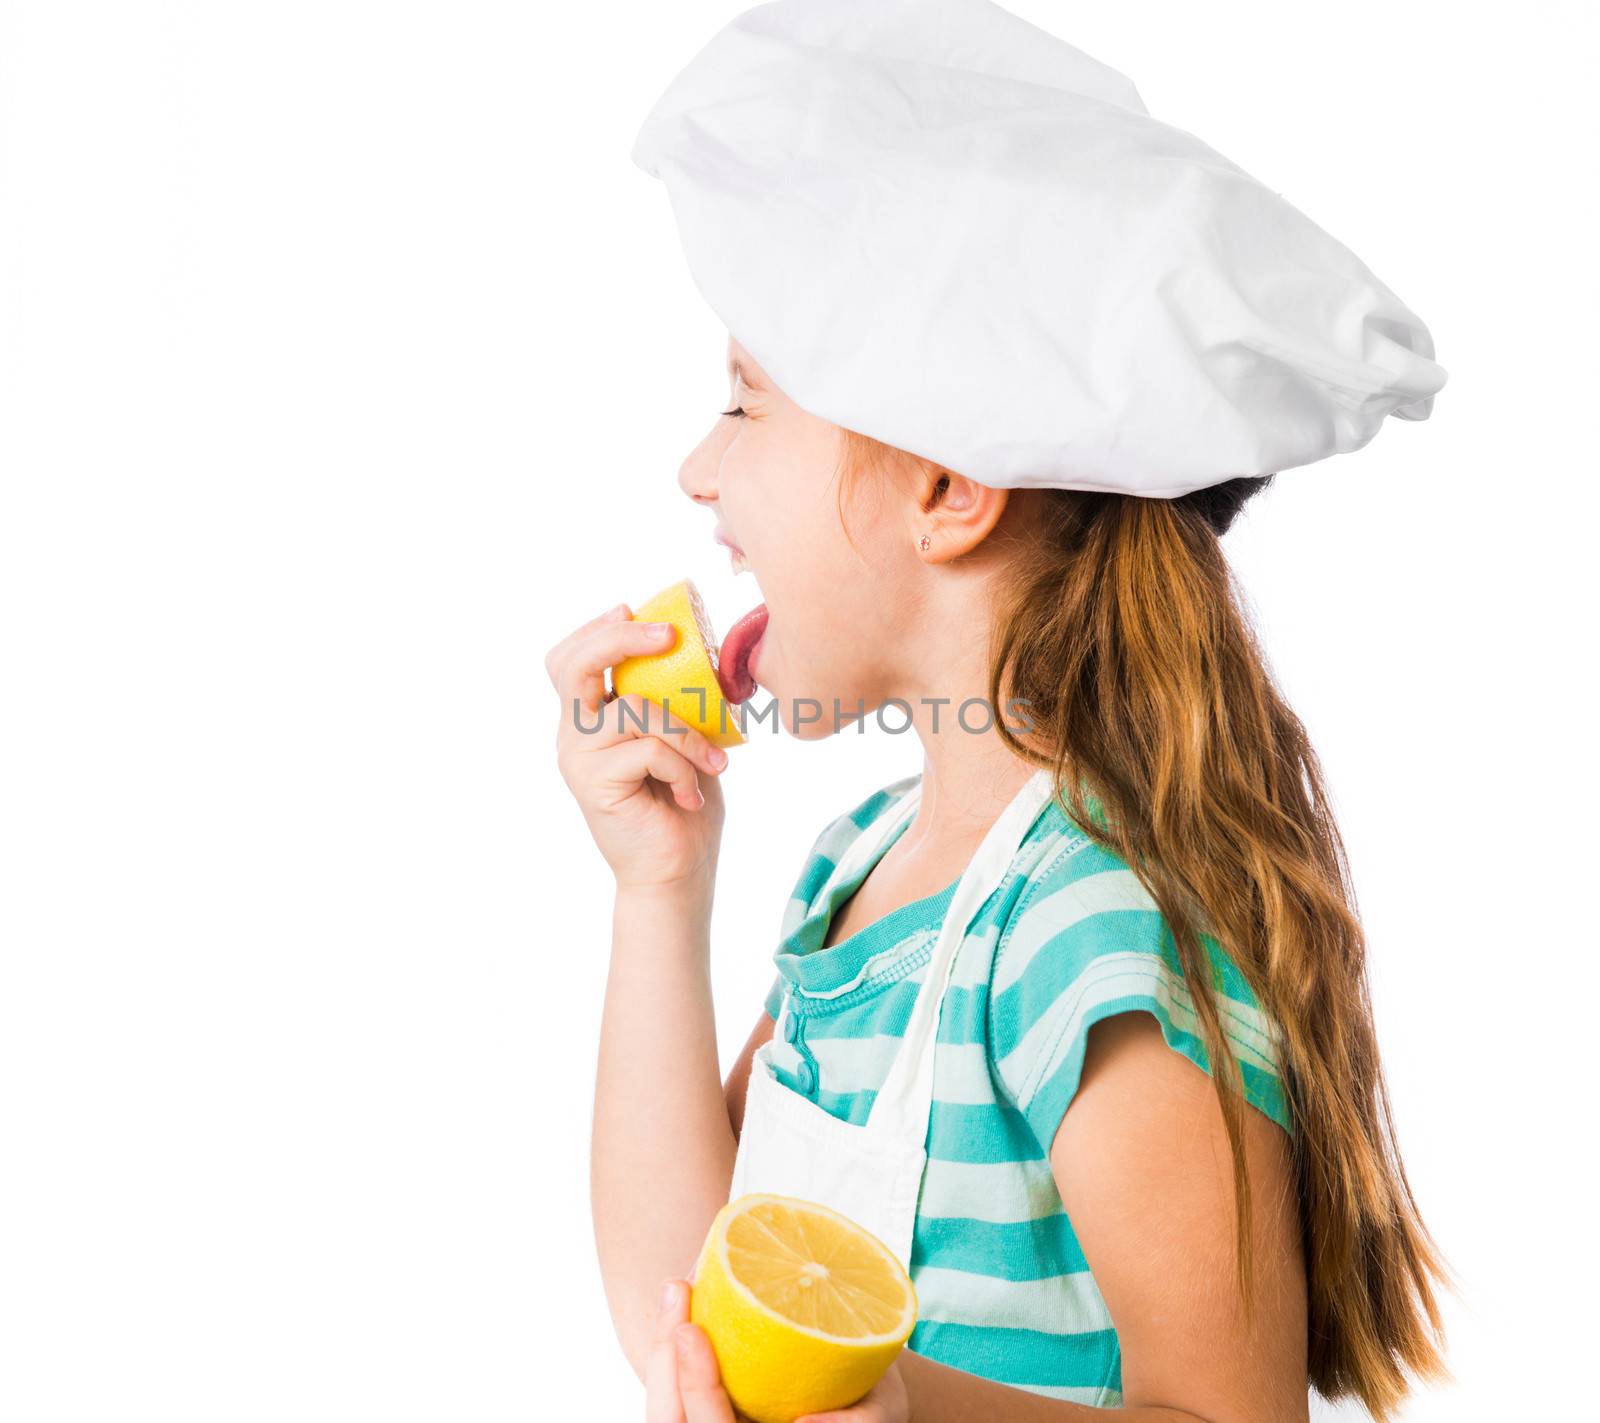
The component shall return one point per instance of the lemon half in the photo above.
(684, 678)
(805, 1310)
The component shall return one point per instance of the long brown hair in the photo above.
(1121, 629)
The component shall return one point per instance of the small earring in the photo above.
(924, 543)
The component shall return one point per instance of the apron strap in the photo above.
(905, 1101)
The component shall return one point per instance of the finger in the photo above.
(634, 715)
(557, 654)
(580, 676)
(699, 1383)
(624, 768)
(661, 1401)
(580, 673)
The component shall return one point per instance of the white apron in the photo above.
(873, 1172)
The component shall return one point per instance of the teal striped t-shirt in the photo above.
(1070, 937)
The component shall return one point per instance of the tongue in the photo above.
(733, 661)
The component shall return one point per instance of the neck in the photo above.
(968, 776)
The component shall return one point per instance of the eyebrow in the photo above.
(736, 367)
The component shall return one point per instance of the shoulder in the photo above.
(1085, 941)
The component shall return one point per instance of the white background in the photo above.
(346, 361)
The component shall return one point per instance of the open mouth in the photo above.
(738, 683)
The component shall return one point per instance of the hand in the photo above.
(682, 1384)
(650, 796)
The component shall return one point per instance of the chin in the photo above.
(819, 730)
(806, 714)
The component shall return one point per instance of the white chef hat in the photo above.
(935, 223)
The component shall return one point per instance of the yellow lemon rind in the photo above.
(695, 651)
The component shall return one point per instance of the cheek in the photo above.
(782, 528)
(836, 608)
(814, 562)
(827, 594)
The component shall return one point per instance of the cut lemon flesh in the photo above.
(683, 678)
(804, 1308)
(817, 1270)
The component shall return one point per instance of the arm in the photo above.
(739, 1074)
(662, 1149)
(1142, 1163)
(664, 1132)
(663, 1144)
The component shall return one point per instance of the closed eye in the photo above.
(737, 410)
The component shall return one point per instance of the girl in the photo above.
(1076, 1019)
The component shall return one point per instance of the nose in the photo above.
(697, 475)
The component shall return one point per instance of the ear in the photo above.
(954, 513)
